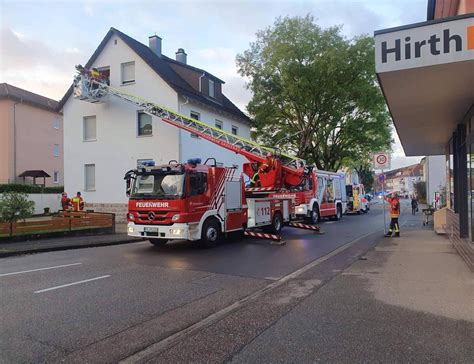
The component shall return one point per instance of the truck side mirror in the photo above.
(128, 188)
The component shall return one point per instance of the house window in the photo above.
(89, 126)
(235, 130)
(219, 124)
(145, 124)
(56, 150)
(194, 115)
(211, 88)
(56, 122)
(128, 72)
(56, 177)
(89, 177)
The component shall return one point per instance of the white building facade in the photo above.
(105, 140)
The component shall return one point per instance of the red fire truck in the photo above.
(196, 201)
(325, 197)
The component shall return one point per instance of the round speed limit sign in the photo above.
(382, 161)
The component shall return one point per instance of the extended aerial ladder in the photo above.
(286, 171)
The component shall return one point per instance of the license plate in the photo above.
(151, 229)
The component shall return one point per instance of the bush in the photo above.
(30, 188)
(15, 206)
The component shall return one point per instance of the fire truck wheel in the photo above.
(211, 233)
(314, 217)
(277, 223)
(158, 242)
(338, 213)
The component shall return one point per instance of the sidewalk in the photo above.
(63, 243)
(408, 300)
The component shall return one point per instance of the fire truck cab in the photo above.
(327, 197)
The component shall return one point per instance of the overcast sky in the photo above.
(41, 41)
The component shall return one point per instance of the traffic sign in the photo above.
(382, 161)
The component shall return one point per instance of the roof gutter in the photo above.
(200, 81)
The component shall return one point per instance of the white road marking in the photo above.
(36, 270)
(71, 284)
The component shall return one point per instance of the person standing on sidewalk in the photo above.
(77, 202)
(414, 205)
(394, 206)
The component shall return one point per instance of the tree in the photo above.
(15, 206)
(316, 90)
(420, 188)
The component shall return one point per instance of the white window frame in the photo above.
(122, 80)
(219, 124)
(236, 130)
(86, 187)
(56, 177)
(56, 151)
(138, 125)
(212, 87)
(195, 136)
(84, 128)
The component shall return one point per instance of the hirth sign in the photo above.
(382, 161)
(424, 45)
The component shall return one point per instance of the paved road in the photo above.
(104, 304)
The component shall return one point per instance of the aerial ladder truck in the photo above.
(202, 201)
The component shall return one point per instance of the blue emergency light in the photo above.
(148, 163)
(194, 161)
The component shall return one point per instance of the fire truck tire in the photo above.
(314, 216)
(338, 215)
(276, 226)
(158, 242)
(211, 233)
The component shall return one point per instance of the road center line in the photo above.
(36, 270)
(71, 284)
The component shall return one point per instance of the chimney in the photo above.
(154, 42)
(181, 55)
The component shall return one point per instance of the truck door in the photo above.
(233, 205)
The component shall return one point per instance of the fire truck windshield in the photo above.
(160, 185)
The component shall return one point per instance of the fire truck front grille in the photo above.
(150, 217)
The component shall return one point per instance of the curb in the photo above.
(4, 254)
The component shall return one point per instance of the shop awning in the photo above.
(426, 72)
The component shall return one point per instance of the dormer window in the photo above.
(211, 88)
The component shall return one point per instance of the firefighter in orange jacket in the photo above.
(77, 202)
(394, 205)
(265, 167)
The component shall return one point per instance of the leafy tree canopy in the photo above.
(315, 92)
(15, 206)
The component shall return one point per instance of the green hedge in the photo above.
(30, 188)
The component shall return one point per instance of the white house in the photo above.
(103, 141)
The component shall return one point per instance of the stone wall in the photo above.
(119, 209)
(464, 247)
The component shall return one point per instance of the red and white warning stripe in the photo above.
(304, 226)
(262, 235)
(259, 189)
